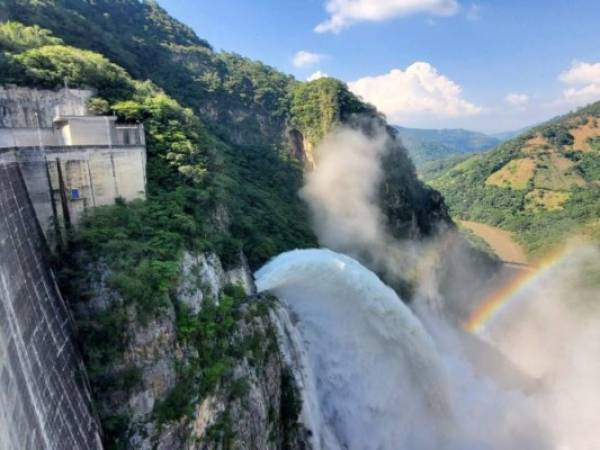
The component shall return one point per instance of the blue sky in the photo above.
(489, 65)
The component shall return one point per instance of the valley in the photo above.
(543, 186)
(430, 148)
(204, 251)
(501, 242)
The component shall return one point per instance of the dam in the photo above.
(56, 161)
(44, 401)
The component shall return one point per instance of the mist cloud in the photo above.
(342, 193)
(535, 378)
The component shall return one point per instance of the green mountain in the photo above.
(228, 141)
(429, 146)
(544, 186)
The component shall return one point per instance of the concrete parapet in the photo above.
(63, 181)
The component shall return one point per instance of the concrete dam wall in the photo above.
(44, 399)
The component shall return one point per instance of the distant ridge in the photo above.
(432, 145)
(506, 135)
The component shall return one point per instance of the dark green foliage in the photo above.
(98, 106)
(257, 185)
(175, 136)
(219, 178)
(177, 403)
(103, 339)
(128, 32)
(291, 406)
(218, 345)
(115, 429)
(16, 37)
(267, 216)
(221, 434)
(140, 243)
(229, 91)
(32, 56)
(589, 166)
(51, 65)
(320, 104)
(558, 135)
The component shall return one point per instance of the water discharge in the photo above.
(370, 374)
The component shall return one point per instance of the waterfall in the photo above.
(365, 353)
(369, 373)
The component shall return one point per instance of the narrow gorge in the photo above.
(200, 252)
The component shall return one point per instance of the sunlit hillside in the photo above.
(544, 185)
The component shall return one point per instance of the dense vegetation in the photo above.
(220, 178)
(430, 148)
(318, 105)
(204, 194)
(433, 169)
(229, 92)
(544, 185)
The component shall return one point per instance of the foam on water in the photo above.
(370, 374)
(365, 348)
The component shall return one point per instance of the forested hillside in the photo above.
(228, 142)
(430, 148)
(544, 185)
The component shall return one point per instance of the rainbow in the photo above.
(503, 297)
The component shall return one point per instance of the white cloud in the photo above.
(581, 73)
(584, 81)
(304, 58)
(584, 95)
(418, 90)
(315, 76)
(344, 13)
(517, 100)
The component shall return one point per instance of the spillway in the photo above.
(371, 376)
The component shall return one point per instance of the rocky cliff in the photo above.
(180, 352)
(203, 372)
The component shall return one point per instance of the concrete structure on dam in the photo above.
(56, 161)
(70, 160)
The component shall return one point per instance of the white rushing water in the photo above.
(369, 373)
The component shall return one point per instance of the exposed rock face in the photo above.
(252, 413)
(32, 108)
(244, 411)
(203, 276)
(301, 148)
(152, 349)
(412, 209)
(144, 368)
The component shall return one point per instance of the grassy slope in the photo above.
(544, 185)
